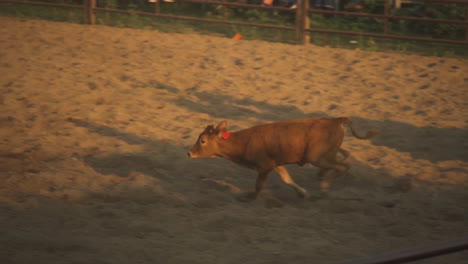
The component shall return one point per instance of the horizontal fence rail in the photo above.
(43, 4)
(387, 17)
(344, 13)
(209, 20)
(376, 35)
(302, 13)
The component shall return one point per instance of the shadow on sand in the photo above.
(168, 162)
(124, 164)
(430, 143)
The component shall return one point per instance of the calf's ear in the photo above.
(222, 126)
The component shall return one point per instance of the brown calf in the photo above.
(269, 146)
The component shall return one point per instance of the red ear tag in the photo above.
(226, 135)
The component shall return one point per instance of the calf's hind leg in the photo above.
(343, 152)
(329, 170)
(284, 175)
(324, 183)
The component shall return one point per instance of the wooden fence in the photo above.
(302, 17)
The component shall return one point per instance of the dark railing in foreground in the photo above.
(302, 13)
(418, 253)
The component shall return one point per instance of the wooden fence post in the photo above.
(299, 33)
(157, 7)
(386, 13)
(466, 19)
(305, 23)
(225, 11)
(89, 10)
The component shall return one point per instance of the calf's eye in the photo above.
(202, 141)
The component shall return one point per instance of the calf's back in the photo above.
(296, 141)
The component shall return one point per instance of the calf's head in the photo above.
(207, 144)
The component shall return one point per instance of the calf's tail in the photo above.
(353, 131)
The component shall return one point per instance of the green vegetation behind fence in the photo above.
(275, 17)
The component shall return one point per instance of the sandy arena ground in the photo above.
(95, 123)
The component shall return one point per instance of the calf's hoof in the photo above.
(303, 193)
(324, 186)
(246, 197)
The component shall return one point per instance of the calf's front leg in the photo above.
(284, 175)
(261, 178)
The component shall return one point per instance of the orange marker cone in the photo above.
(237, 36)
